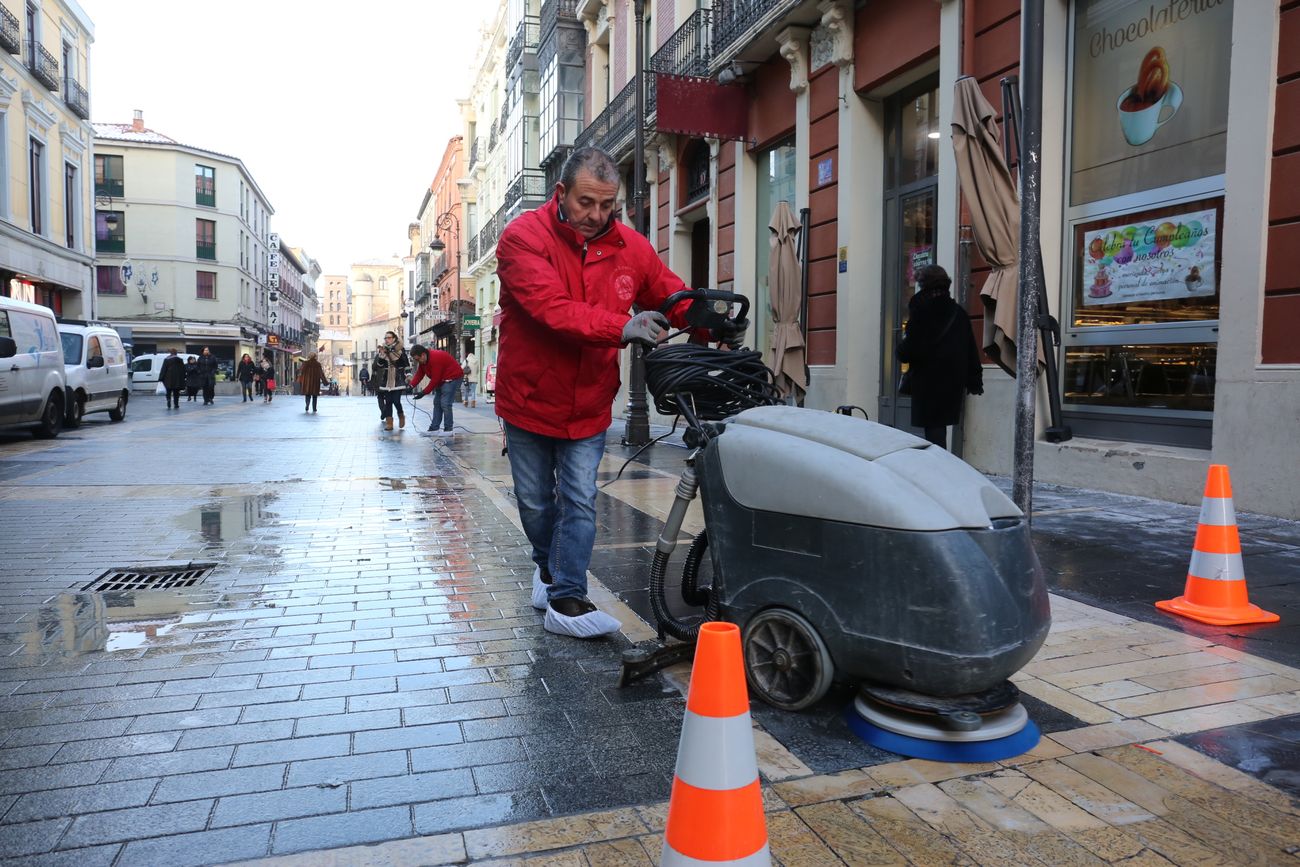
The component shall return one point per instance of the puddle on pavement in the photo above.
(74, 624)
(228, 519)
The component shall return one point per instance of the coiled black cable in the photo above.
(715, 383)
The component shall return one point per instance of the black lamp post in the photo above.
(444, 222)
(636, 432)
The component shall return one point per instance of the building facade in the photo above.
(182, 238)
(47, 241)
(333, 319)
(445, 293)
(378, 289)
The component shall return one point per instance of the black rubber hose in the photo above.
(717, 383)
(691, 592)
(679, 629)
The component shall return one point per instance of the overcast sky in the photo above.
(340, 116)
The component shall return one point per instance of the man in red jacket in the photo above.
(569, 274)
(438, 373)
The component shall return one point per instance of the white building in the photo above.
(181, 236)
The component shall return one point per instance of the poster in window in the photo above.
(1157, 260)
(1150, 94)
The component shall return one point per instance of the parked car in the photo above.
(146, 368)
(95, 363)
(33, 383)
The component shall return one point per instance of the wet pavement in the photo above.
(355, 661)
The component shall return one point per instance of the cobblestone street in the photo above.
(360, 665)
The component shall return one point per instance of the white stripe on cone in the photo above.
(1218, 511)
(1217, 567)
(716, 753)
(672, 858)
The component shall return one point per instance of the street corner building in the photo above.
(1170, 196)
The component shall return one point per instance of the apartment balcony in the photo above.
(474, 154)
(486, 240)
(76, 98)
(492, 138)
(613, 127)
(43, 65)
(738, 23)
(527, 191)
(686, 52)
(525, 41)
(554, 11)
(10, 32)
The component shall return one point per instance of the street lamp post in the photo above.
(446, 221)
(636, 431)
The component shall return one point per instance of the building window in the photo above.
(205, 186)
(36, 181)
(108, 175)
(776, 181)
(697, 172)
(70, 204)
(110, 232)
(108, 280)
(205, 239)
(205, 284)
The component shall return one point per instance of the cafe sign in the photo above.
(1157, 260)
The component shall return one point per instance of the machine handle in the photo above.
(707, 295)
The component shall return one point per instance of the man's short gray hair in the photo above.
(593, 160)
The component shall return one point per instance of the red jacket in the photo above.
(438, 367)
(562, 318)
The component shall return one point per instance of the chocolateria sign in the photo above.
(1159, 260)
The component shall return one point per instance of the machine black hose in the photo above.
(717, 383)
(691, 592)
(679, 629)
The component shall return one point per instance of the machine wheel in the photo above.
(77, 414)
(51, 418)
(786, 661)
(118, 413)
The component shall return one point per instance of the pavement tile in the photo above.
(142, 707)
(136, 823)
(284, 804)
(160, 675)
(412, 788)
(305, 676)
(97, 856)
(349, 722)
(293, 709)
(369, 686)
(463, 710)
(478, 811)
(442, 679)
(515, 726)
(406, 737)
(236, 734)
(80, 799)
(292, 750)
(207, 847)
(79, 731)
(109, 748)
(208, 784)
(242, 697)
(390, 700)
(190, 719)
(346, 768)
(54, 777)
(210, 685)
(467, 754)
(27, 757)
(31, 837)
(168, 763)
(344, 829)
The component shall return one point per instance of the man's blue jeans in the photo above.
(443, 396)
(555, 487)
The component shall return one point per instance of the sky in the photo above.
(340, 112)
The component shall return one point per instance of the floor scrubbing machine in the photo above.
(844, 550)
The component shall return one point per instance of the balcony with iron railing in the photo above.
(525, 41)
(526, 191)
(76, 98)
(43, 65)
(686, 52)
(612, 125)
(492, 137)
(474, 153)
(554, 11)
(737, 22)
(11, 39)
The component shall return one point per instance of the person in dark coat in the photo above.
(310, 378)
(193, 378)
(943, 360)
(208, 367)
(388, 377)
(172, 376)
(244, 373)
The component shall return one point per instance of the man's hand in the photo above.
(647, 327)
(733, 332)
(417, 395)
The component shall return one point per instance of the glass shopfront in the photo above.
(1148, 132)
(776, 178)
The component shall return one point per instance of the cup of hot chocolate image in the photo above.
(1151, 103)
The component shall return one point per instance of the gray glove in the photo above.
(647, 327)
(733, 333)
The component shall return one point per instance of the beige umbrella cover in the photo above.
(783, 281)
(995, 214)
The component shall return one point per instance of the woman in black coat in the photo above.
(245, 374)
(943, 360)
(193, 378)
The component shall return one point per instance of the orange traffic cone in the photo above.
(716, 812)
(1216, 580)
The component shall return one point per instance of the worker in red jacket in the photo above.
(570, 272)
(438, 373)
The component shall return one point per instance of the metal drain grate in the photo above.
(151, 578)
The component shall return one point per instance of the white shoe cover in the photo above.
(539, 590)
(593, 624)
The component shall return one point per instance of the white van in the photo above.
(95, 364)
(32, 380)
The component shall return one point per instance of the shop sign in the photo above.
(1150, 94)
(1158, 260)
(689, 105)
(272, 340)
(471, 323)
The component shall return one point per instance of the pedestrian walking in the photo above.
(365, 381)
(268, 380)
(172, 376)
(569, 273)
(309, 381)
(389, 379)
(193, 378)
(437, 373)
(471, 379)
(245, 373)
(208, 367)
(943, 362)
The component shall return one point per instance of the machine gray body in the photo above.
(915, 570)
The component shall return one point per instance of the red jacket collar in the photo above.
(570, 235)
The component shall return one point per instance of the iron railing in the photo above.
(612, 124)
(555, 10)
(492, 137)
(486, 239)
(526, 39)
(43, 65)
(473, 153)
(471, 249)
(11, 39)
(686, 52)
(77, 98)
(734, 21)
(529, 186)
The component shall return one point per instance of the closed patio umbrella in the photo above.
(995, 215)
(783, 280)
